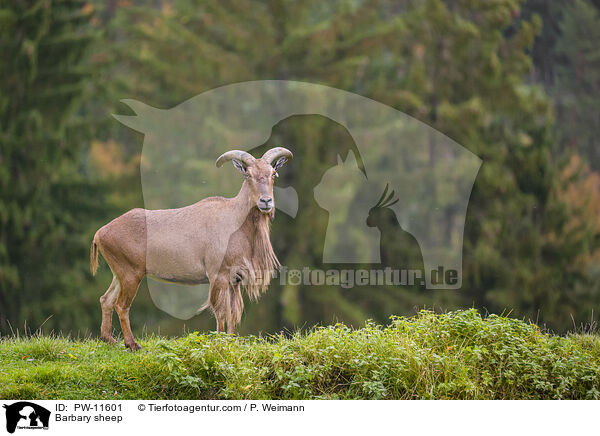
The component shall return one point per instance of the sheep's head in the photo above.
(259, 173)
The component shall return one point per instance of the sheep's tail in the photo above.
(94, 256)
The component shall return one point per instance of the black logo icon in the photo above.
(26, 415)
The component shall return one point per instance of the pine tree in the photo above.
(46, 204)
(458, 66)
(577, 87)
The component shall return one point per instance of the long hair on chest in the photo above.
(261, 262)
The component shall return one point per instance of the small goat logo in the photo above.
(26, 415)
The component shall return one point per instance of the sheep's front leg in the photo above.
(231, 328)
(218, 299)
(236, 306)
(220, 325)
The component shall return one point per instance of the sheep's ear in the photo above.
(239, 165)
(279, 163)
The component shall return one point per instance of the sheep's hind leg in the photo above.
(129, 289)
(107, 303)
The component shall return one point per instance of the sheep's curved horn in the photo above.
(240, 155)
(275, 153)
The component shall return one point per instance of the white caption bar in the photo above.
(149, 417)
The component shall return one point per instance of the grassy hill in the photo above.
(457, 355)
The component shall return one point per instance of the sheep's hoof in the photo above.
(134, 346)
(108, 339)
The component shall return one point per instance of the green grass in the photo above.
(457, 355)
